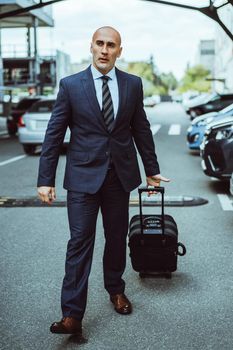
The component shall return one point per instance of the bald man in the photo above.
(103, 107)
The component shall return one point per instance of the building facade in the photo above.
(206, 54)
(224, 53)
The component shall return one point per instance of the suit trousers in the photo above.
(83, 209)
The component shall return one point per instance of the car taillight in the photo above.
(21, 122)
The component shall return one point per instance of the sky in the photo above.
(170, 34)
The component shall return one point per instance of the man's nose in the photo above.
(104, 49)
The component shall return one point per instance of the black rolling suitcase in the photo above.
(153, 241)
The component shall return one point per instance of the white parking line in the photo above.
(225, 202)
(11, 160)
(155, 128)
(174, 129)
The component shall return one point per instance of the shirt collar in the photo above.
(96, 74)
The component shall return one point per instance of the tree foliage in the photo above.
(153, 82)
(142, 69)
(195, 79)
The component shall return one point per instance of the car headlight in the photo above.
(207, 132)
(224, 133)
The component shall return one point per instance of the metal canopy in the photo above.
(210, 11)
(21, 13)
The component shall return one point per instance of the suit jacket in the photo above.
(91, 144)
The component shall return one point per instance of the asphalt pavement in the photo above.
(191, 311)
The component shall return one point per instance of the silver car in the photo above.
(231, 184)
(33, 124)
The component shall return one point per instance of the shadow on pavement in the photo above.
(178, 282)
(71, 340)
(219, 186)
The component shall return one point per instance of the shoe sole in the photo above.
(78, 332)
(122, 312)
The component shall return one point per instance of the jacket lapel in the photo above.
(89, 88)
(122, 87)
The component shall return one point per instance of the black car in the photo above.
(217, 149)
(17, 111)
(214, 103)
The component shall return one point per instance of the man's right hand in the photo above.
(46, 194)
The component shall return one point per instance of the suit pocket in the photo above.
(78, 157)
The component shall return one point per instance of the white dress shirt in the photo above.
(112, 84)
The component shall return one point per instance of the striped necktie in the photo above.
(107, 105)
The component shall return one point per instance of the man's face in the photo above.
(105, 49)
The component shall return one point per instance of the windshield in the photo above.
(227, 109)
(42, 107)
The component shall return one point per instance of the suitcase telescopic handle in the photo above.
(146, 189)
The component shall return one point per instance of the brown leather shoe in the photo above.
(67, 325)
(121, 303)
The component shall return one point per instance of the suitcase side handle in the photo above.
(183, 252)
(142, 189)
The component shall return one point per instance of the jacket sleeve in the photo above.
(54, 137)
(143, 137)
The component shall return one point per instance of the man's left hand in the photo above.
(154, 181)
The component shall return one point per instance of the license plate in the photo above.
(41, 124)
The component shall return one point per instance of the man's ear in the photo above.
(119, 53)
(91, 48)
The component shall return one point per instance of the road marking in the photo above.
(174, 129)
(155, 128)
(11, 160)
(225, 202)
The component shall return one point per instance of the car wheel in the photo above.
(12, 131)
(29, 149)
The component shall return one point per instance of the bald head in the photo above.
(105, 48)
(110, 30)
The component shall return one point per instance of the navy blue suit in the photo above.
(101, 170)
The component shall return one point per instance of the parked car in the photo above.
(17, 112)
(214, 103)
(231, 184)
(149, 102)
(195, 100)
(196, 130)
(33, 125)
(217, 149)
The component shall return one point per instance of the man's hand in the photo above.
(155, 180)
(47, 194)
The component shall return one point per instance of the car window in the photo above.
(26, 103)
(42, 107)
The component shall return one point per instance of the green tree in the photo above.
(142, 69)
(168, 81)
(195, 79)
(153, 82)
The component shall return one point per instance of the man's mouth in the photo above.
(103, 60)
